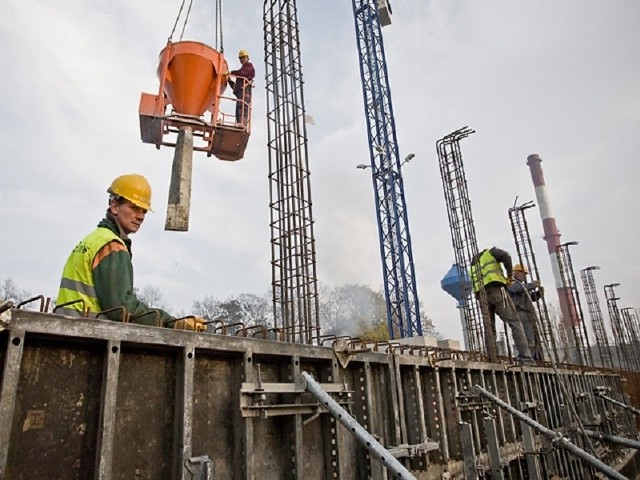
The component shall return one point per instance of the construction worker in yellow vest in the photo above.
(487, 273)
(98, 275)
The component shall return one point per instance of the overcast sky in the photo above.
(560, 78)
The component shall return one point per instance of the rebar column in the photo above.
(620, 334)
(630, 323)
(597, 322)
(572, 301)
(475, 315)
(293, 255)
(524, 250)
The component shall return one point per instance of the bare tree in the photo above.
(152, 296)
(256, 309)
(355, 310)
(10, 291)
(208, 307)
(349, 309)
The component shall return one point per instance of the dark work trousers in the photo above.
(242, 106)
(499, 303)
(529, 322)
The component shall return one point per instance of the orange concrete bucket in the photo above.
(191, 74)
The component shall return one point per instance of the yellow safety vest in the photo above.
(77, 284)
(490, 271)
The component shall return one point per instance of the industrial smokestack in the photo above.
(570, 316)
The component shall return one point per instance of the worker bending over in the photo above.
(523, 295)
(487, 273)
(98, 275)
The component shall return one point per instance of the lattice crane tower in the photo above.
(403, 310)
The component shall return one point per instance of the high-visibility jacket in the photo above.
(77, 282)
(486, 270)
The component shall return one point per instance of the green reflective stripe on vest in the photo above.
(490, 271)
(77, 277)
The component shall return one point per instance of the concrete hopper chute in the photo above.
(192, 74)
(193, 81)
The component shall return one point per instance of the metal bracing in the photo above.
(403, 310)
(621, 336)
(558, 440)
(524, 250)
(626, 407)
(365, 438)
(465, 244)
(293, 256)
(597, 322)
(579, 327)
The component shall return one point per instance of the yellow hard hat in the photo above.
(518, 267)
(243, 53)
(134, 188)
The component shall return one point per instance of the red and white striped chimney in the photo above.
(552, 236)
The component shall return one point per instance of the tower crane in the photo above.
(403, 310)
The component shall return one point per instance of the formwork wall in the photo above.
(85, 399)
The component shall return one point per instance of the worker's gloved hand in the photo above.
(509, 280)
(196, 324)
(536, 283)
(541, 290)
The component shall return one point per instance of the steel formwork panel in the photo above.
(98, 399)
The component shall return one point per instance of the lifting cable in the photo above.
(218, 24)
(186, 19)
(219, 27)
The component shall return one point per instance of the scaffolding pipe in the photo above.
(557, 440)
(620, 404)
(625, 442)
(365, 438)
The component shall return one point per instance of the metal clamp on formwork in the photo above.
(404, 450)
(200, 468)
(367, 440)
(254, 399)
(557, 439)
(343, 351)
(468, 400)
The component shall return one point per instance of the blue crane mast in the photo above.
(403, 311)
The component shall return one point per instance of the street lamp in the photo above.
(407, 159)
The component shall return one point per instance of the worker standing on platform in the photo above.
(242, 86)
(487, 273)
(523, 295)
(98, 275)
